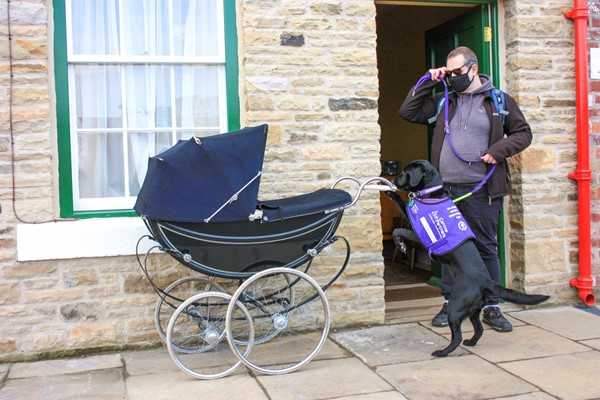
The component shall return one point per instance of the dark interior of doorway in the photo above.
(401, 62)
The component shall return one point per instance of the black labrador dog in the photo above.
(472, 282)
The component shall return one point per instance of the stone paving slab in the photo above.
(565, 321)
(530, 396)
(159, 360)
(569, 376)
(65, 366)
(461, 378)
(523, 342)
(553, 353)
(324, 380)
(177, 385)
(4, 371)
(102, 384)
(375, 396)
(391, 344)
(148, 362)
(594, 343)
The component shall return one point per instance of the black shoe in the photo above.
(493, 317)
(441, 318)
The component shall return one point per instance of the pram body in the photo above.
(200, 203)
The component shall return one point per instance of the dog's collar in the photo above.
(424, 192)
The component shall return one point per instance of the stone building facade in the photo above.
(320, 101)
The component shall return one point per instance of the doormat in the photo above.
(402, 274)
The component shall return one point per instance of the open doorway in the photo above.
(410, 39)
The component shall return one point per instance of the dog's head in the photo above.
(418, 175)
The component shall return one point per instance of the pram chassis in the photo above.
(290, 303)
(278, 318)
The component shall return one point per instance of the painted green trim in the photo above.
(495, 65)
(232, 71)
(62, 110)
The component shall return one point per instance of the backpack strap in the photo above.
(498, 99)
(440, 104)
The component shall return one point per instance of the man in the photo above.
(478, 140)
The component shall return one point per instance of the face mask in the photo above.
(460, 83)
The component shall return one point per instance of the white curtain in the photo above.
(98, 98)
(135, 100)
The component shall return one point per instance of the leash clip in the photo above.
(427, 191)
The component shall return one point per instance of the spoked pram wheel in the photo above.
(290, 314)
(196, 335)
(175, 294)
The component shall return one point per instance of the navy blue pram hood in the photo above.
(192, 180)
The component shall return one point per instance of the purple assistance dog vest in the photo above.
(439, 224)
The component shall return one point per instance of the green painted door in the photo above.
(468, 29)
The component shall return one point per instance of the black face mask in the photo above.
(460, 83)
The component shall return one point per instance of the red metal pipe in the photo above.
(583, 175)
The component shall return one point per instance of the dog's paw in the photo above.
(470, 342)
(439, 353)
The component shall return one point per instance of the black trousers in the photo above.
(482, 216)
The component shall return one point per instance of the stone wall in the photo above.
(308, 69)
(543, 209)
(310, 72)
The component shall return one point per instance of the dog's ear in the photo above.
(415, 177)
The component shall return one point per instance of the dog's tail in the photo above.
(518, 297)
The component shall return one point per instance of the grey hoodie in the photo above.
(470, 130)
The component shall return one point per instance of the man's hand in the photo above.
(437, 73)
(488, 159)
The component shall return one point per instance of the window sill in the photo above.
(85, 238)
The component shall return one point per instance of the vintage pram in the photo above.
(253, 301)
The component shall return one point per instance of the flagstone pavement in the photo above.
(552, 353)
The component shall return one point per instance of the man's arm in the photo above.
(420, 106)
(518, 133)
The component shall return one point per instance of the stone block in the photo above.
(326, 8)
(7, 346)
(352, 104)
(538, 159)
(94, 334)
(9, 292)
(43, 296)
(81, 311)
(28, 270)
(291, 39)
(545, 256)
(80, 277)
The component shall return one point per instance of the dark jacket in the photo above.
(505, 140)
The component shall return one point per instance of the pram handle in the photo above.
(383, 185)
